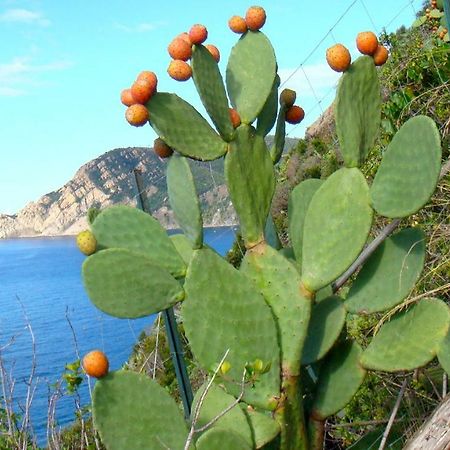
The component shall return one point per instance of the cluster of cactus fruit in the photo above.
(272, 333)
(435, 18)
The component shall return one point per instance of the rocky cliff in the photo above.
(109, 180)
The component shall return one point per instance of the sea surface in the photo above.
(43, 306)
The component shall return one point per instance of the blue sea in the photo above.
(41, 289)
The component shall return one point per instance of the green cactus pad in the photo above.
(210, 87)
(280, 135)
(323, 293)
(372, 439)
(331, 245)
(325, 326)
(411, 339)
(271, 233)
(182, 127)
(126, 284)
(184, 199)
(339, 379)
(132, 411)
(264, 428)
(409, 171)
(268, 115)
(216, 401)
(183, 246)
(126, 227)
(299, 200)
(220, 439)
(358, 110)
(444, 353)
(278, 280)
(251, 181)
(222, 304)
(250, 75)
(389, 274)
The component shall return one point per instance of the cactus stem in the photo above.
(257, 246)
(307, 293)
(316, 433)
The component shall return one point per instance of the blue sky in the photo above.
(64, 63)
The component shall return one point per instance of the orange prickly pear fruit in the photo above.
(367, 42)
(179, 70)
(162, 149)
(86, 242)
(237, 24)
(338, 58)
(295, 114)
(255, 18)
(287, 97)
(137, 115)
(185, 37)
(127, 98)
(150, 77)
(142, 90)
(180, 49)
(96, 364)
(214, 51)
(380, 56)
(235, 118)
(198, 34)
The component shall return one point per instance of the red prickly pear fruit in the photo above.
(198, 34)
(86, 242)
(235, 118)
(338, 58)
(150, 77)
(127, 98)
(137, 115)
(295, 114)
(162, 149)
(237, 24)
(214, 51)
(255, 18)
(367, 42)
(96, 364)
(185, 37)
(179, 70)
(142, 90)
(288, 97)
(380, 56)
(180, 49)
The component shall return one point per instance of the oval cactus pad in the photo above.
(250, 74)
(126, 284)
(222, 304)
(132, 411)
(220, 439)
(411, 339)
(337, 224)
(409, 171)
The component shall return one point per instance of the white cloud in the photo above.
(24, 16)
(138, 28)
(20, 73)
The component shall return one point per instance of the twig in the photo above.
(393, 414)
(200, 402)
(444, 385)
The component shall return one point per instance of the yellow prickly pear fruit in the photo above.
(258, 365)
(225, 367)
(86, 242)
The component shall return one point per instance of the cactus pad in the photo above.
(183, 246)
(278, 280)
(268, 115)
(126, 227)
(128, 285)
(271, 233)
(330, 246)
(209, 84)
(411, 339)
(184, 199)
(250, 74)
(409, 170)
(220, 439)
(264, 428)
(358, 110)
(182, 127)
(444, 353)
(251, 181)
(222, 304)
(339, 379)
(325, 326)
(216, 401)
(132, 411)
(389, 274)
(299, 200)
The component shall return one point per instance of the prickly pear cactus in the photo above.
(257, 329)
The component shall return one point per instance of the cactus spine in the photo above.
(269, 317)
